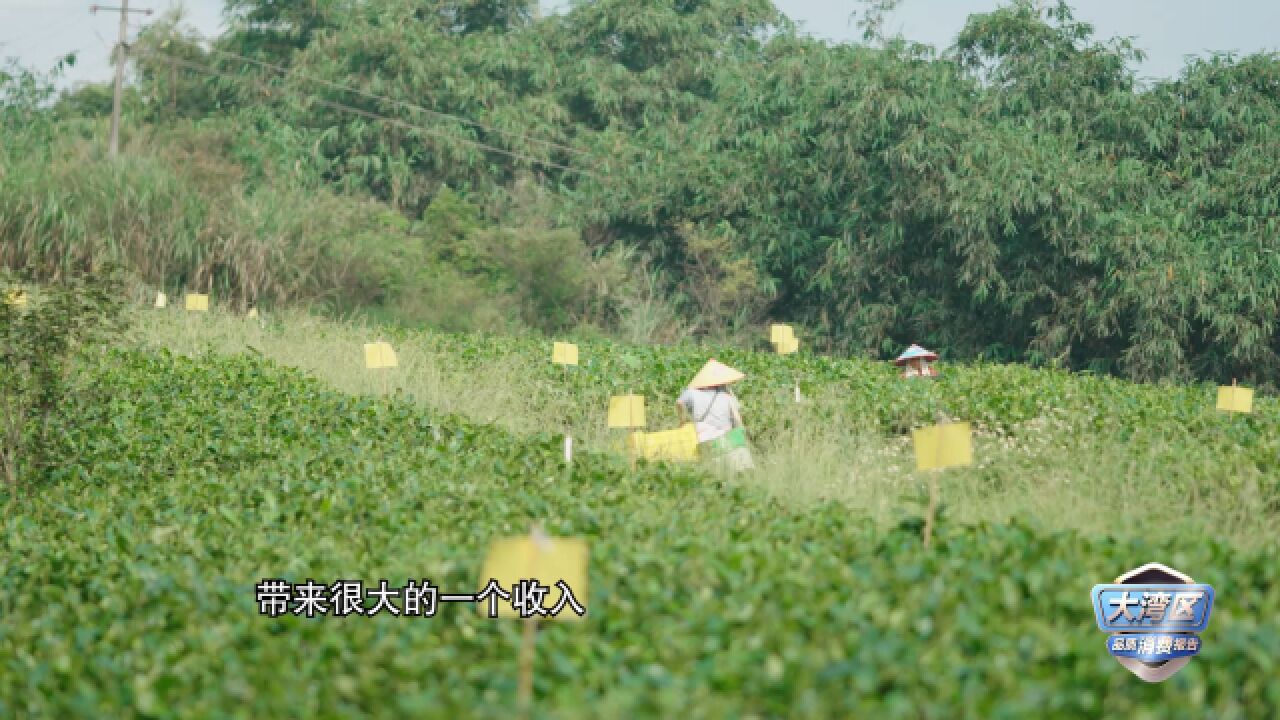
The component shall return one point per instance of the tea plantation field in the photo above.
(128, 583)
(1212, 475)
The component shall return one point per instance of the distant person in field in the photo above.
(915, 362)
(712, 407)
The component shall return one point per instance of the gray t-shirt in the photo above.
(711, 411)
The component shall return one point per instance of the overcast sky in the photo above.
(39, 31)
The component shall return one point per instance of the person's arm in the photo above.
(680, 406)
(735, 412)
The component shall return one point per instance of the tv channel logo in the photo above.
(1154, 616)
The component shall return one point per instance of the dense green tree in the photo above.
(1018, 196)
(276, 29)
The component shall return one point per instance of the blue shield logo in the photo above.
(1154, 616)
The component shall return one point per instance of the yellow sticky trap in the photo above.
(379, 355)
(253, 312)
(779, 333)
(197, 302)
(564, 353)
(162, 300)
(1234, 398)
(678, 444)
(943, 446)
(787, 346)
(626, 411)
(548, 560)
(16, 298)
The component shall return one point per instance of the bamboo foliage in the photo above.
(1020, 197)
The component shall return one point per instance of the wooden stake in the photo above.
(382, 373)
(631, 453)
(933, 507)
(568, 429)
(385, 371)
(528, 640)
(933, 488)
(527, 645)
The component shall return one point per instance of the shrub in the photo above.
(39, 337)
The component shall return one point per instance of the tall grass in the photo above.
(183, 210)
(178, 220)
(1052, 469)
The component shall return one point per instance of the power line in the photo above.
(403, 103)
(25, 42)
(366, 113)
(105, 44)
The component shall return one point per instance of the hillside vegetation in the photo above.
(657, 170)
(192, 479)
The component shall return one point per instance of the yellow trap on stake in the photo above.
(558, 566)
(943, 446)
(549, 560)
(197, 302)
(1236, 399)
(783, 338)
(564, 353)
(626, 411)
(379, 355)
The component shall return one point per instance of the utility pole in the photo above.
(121, 50)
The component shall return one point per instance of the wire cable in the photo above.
(403, 103)
(365, 113)
(26, 42)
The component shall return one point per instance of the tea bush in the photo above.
(133, 595)
(41, 334)
(1212, 473)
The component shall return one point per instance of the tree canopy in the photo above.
(1018, 196)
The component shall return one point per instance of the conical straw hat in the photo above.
(915, 352)
(715, 373)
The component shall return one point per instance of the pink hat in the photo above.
(915, 352)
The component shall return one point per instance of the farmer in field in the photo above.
(915, 362)
(716, 415)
